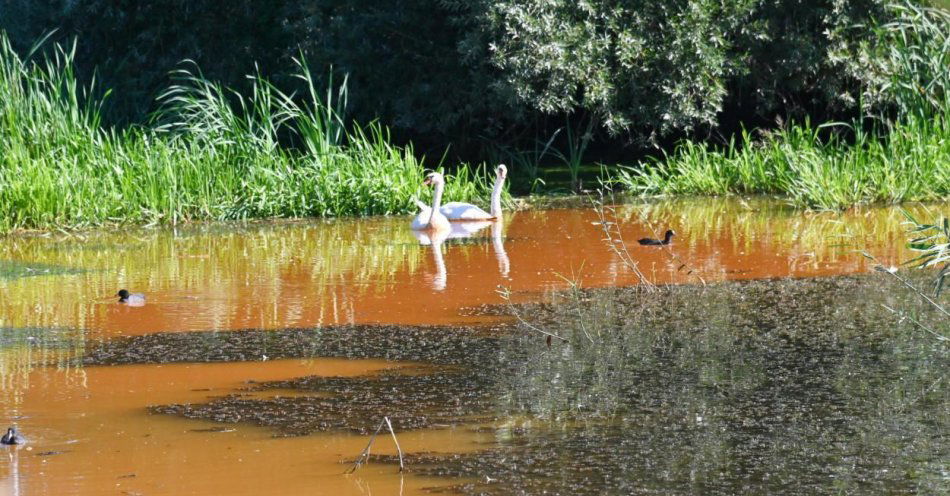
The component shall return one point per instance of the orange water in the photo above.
(95, 418)
(311, 273)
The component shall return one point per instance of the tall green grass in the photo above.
(212, 154)
(903, 156)
(910, 163)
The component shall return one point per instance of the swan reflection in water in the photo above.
(498, 244)
(460, 230)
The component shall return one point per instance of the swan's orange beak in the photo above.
(428, 181)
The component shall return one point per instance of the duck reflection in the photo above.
(11, 483)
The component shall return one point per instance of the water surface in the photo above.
(63, 333)
(302, 274)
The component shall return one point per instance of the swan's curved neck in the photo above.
(496, 197)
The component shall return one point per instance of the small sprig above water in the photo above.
(933, 242)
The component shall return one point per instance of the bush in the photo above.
(904, 67)
(499, 71)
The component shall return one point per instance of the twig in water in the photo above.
(398, 449)
(506, 294)
(893, 273)
(614, 238)
(365, 454)
(903, 315)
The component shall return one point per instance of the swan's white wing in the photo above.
(422, 219)
(427, 220)
(464, 211)
(467, 229)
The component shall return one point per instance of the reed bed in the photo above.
(910, 163)
(210, 153)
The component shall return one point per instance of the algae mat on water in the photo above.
(781, 386)
(778, 387)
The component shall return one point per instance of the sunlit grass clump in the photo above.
(910, 163)
(213, 154)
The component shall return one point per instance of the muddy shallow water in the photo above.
(266, 351)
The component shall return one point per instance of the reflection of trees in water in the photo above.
(792, 386)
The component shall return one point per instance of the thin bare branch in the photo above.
(398, 449)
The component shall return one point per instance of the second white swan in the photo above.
(467, 211)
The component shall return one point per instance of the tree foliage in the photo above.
(645, 66)
(470, 71)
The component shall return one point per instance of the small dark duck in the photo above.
(133, 299)
(656, 242)
(12, 437)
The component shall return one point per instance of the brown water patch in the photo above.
(415, 398)
(88, 434)
(89, 428)
(305, 274)
(437, 399)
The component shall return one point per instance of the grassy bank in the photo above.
(898, 150)
(211, 154)
(910, 163)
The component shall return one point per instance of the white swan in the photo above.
(430, 218)
(467, 211)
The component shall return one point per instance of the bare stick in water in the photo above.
(398, 449)
(365, 454)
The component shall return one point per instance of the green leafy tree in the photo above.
(644, 66)
(502, 71)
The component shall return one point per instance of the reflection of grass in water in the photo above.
(825, 235)
(23, 349)
(721, 334)
(771, 385)
(13, 269)
(341, 258)
(331, 249)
